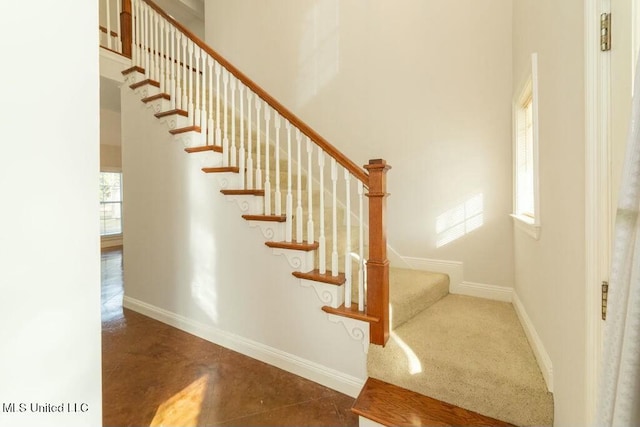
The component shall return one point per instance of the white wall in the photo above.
(424, 84)
(49, 246)
(110, 145)
(192, 261)
(550, 272)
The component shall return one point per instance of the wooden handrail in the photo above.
(284, 112)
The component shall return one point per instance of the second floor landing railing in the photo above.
(272, 149)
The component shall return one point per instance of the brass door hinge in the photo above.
(605, 32)
(605, 294)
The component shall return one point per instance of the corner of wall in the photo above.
(542, 357)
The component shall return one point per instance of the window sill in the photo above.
(527, 225)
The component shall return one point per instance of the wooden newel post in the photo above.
(126, 28)
(378, 264)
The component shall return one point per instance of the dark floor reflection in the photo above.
(154, 374)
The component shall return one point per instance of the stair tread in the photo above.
(130, 70)
(221, 169)
(156, 97)
(176, 111)
(327, 277)
(270, 218)
(144, 82)
(247, 192)
(470, 352)
(202, 148)
(391, 405)
(412, 291)
(351, 312)
(304, 246)
(185, 129)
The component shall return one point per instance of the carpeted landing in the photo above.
(467, 351)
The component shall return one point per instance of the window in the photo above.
(525, 159)
(110, 203)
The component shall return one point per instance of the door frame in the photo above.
(597, 192)
(598, 182)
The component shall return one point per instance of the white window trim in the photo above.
(529, 225)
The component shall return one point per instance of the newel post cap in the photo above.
(377, 165)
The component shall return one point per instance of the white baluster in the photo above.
(145, 31)
(190, 105)
(172, 78)
(334, 218)
(109, 23)
(167, 57)
(184, 98)
(135, 33)
(322, 240)
(161, 61)
(156, 65)
(278, 195)
(241, 159)
(347, 248)
(299, 189)
(218, 136)
(225, 138)
(310, 236)
(361, 291)
(234, 150)
(258, 181)
(288, 206)
(250, 140)
(118, 29)
(210, 127)
(195, 72)
(267, 182)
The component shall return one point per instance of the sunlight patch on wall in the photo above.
(460, 220)
(183, 408)
(319, 49)
(415, 367)
(202, 253)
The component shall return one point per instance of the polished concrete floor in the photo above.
(154, 374)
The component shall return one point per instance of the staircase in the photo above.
(308, 200)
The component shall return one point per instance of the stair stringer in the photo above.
(183, 260)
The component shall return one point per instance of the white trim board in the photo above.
(482, 290)
(320, 374)
(455, 269)
(542, 357)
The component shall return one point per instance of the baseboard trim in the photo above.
(542, 357)
(482, 290)
(320, 374)
(455, 269)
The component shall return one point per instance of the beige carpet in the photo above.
(470, 352)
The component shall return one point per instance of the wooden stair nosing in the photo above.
(351, 312)
(304, 246)
(144, 82)
(177, 111)
(242, 192)
(133, 69)
(202, 148)
(390, 405)
(185, 129)
(269, 218)
(155, 97)
(233, 169)
(316, 276)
